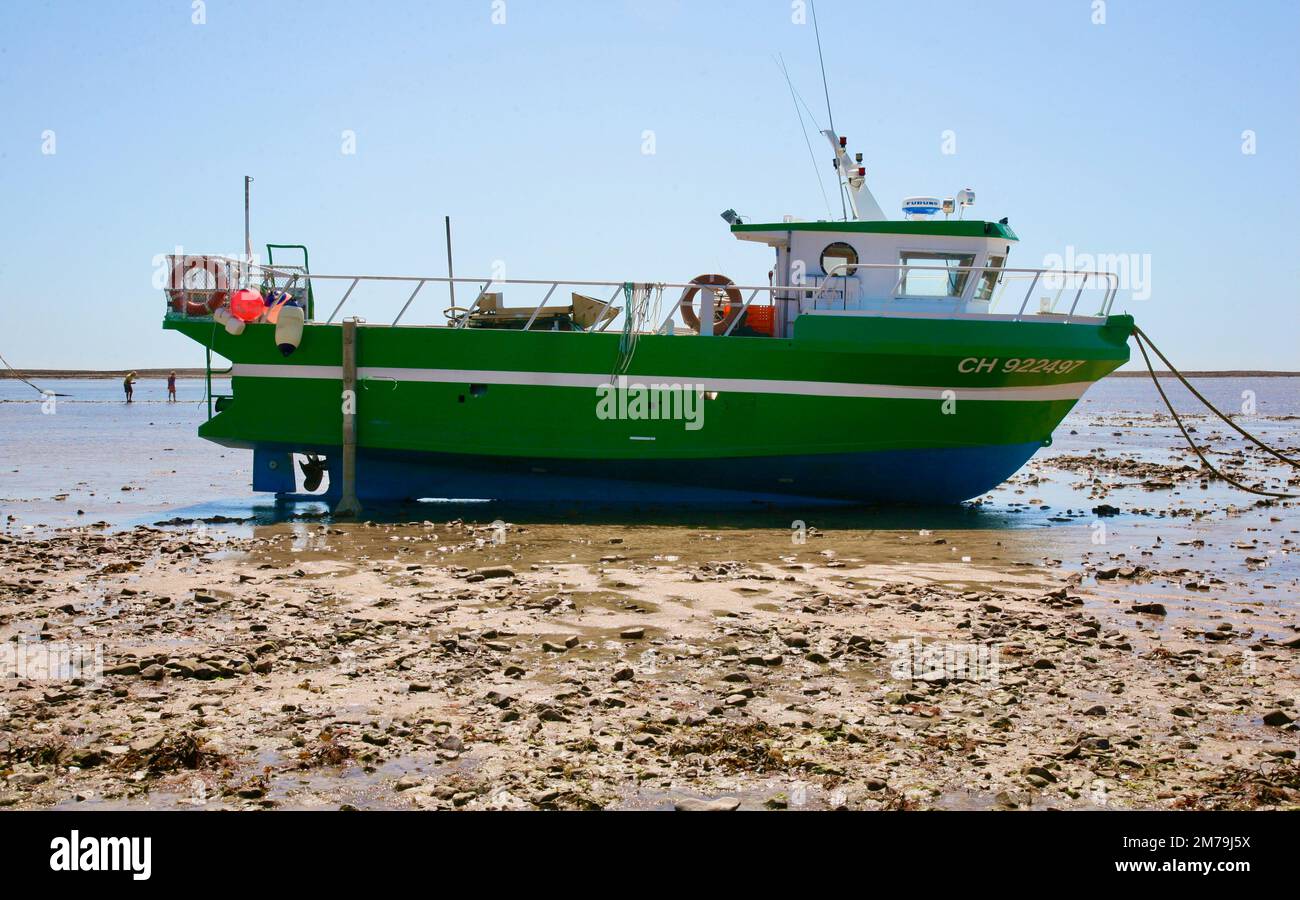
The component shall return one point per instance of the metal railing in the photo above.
(1107, 281)
(460, 317)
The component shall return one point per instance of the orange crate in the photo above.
(761, 319)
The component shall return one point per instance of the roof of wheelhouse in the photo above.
(947, 228)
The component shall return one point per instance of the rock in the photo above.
(552, 647)
(720, 804)
(1276, 718)
(419, 687)
(406, 782)
(148, 744)
(124, 669)
(496, 572)
(632, 634)
(624, 674)
(453, 743)
(84, 759)
(797, 639)
(1097, 710)
(1155, 609)
(28, 779)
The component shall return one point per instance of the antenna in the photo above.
(827, 91)
(794, 97)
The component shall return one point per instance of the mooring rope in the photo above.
(1142, 340)
(24, 380)
(1142, 336)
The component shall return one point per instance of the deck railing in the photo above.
(240, 272)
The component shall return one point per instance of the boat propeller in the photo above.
(313, 471)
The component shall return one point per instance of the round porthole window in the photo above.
(839, 259)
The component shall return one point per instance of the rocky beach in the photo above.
(461, 665)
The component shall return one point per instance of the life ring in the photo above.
(723, 315)
(179, 294)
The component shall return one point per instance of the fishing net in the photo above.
(641, 305)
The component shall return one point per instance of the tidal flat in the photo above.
(1110, 629)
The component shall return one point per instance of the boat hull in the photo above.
(863, 409)
(941, 476)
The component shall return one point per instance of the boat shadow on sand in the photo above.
(757, 516)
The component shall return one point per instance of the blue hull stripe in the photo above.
(938, 476)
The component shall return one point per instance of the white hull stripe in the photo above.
(1071, 391)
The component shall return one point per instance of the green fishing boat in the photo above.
(879, 361)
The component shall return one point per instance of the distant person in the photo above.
(171, 387)
(128, 385)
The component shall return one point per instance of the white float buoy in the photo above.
(288, 328)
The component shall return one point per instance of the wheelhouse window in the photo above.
(839, 259)
(989, 278)
(933, 282)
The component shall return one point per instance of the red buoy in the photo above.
(247, 304)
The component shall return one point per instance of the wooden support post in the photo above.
(348, 504)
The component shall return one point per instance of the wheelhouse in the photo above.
(887, 267)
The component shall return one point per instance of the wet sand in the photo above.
(449, 665)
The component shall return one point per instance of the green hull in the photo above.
(841, 387)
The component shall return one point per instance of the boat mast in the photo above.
(248, 234)
(853, 176)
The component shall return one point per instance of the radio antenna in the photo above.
(794, 96)
(827, 91)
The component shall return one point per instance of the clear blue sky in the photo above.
(1117, 138)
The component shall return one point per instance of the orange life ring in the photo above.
(179, 294)
(723, 315)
